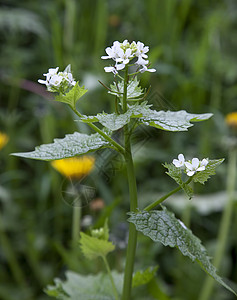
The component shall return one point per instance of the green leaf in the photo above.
(133, 89)
(72, 145)
(162, 226)
(203, 176)
(176, 174)
(79, 287)
(113, 121)
(171, 121)
(93, 247)
(72, 96)
(143, 277)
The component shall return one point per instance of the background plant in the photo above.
(197, 75)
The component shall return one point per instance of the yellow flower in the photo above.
(231, 119)
(3, 140)
(75, 167)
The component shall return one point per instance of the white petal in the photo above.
(201, 168)
(176, 163)
(181, 157)
(190, 173)
(151, 70)
(105, 57)
(109, 69)
(42, 81)
(188, 165)
(120, 66)
(195, 162)
(204, 162)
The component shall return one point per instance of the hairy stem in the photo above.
(224, 226)
(163, 198)
(94, 127)
(132, 240)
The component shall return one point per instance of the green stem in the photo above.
(111, 277)
(94, 127)
(225, 224)
(76, 221)
(159, 201)
(132, 240)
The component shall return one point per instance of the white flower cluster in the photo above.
(58, 81)
(192, 166)
(123, 53)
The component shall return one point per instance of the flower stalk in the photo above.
(132, 240)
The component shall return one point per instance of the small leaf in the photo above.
(203, 176)
(175, 173)
(133, 89)
(93, 247)
(162, 226)
(72, 145)
(81, 287)
(143, 277)
(72, 96)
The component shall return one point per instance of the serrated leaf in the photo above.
(133, 89)
(113, 121)
(79, 287)
(162, 226)
(176, 174)
(203, 176)
(170, 121)
(93, 247)
(72, 145)
(72, 96)
(143, 277)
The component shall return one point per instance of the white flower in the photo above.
(195, 166)
(180, 161)
(58, 82)
(144, 69)
(111, 69)
(123, 53)
(141, 50)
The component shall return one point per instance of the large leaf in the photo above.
(171, 121)
(79, 287)
(73, 95)
(72, 145)
(162, 226)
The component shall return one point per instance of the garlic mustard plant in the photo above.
(131, 110)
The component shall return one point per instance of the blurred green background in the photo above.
(193, 47)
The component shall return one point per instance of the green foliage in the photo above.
(72, 145)
(93, 247)
(176, 174)
(143, 277)
(162, 226)
(203, 176)
(170, 121)
(133, 89)
(79, 287)
(72, 96)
